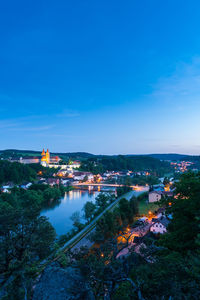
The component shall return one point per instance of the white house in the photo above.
(65, 181)
(5, 190)
(75, 165)
(160, 225)
(81, 175)
(154, 196)
(26, 185)
(70, 167)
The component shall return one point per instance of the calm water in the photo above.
(59, 213)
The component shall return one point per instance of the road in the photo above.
(138, 231)
(82, 238)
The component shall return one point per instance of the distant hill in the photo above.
(169, 156)
(76, 155)
(86, 155)
(175, 157)
(16, 152)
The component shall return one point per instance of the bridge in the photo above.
(134, 187)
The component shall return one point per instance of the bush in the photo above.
(124, 291)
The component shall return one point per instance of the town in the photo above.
(125, 208)
(71, 172)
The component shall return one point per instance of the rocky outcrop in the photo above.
(57, 283)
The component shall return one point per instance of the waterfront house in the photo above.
(79, 176)
(52, 181)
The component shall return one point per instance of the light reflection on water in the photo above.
(59, 213)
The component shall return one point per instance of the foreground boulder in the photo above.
(61, 284)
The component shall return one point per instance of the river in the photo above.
(59, 212)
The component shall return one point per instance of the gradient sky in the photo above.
(100, 76)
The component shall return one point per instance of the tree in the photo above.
(133, 203)
(124, 291)
(16, 172)
(26, 238)
(101, 200)
(106, 225)
(75, 217)
(125, 210)
(128, 181)
(185, 208)
(51, 193)
(89, 209)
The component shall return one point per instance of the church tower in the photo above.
(43, 156)
(47, 156)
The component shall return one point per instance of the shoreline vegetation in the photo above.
(28, 238)
(90, 212)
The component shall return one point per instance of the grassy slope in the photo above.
(145, 207)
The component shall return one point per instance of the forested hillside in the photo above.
(120, 162)
(16, 172)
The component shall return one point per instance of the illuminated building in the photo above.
(167, 188)
(47, 159)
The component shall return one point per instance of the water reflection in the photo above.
(51, 204)
(60, 211)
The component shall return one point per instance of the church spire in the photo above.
(47, 156)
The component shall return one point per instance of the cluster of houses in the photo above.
(183, 166)
(26, 185)
(75, 176)
(71, 173)
(79, 176)
(6, 188)
(160, 223)
(117, 175)
(66, 167)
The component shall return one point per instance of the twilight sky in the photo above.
(101, 76)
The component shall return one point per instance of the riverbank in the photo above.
(82, 238)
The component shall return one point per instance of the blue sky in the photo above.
(103, 76)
